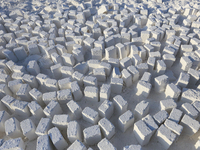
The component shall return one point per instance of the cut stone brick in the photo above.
(165, 136)
(92, 135)
(125, 121)
(160, 117)
(142, 132)
(107, 128)
(167, 105)
(190, 125)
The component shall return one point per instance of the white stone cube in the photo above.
(76, 91)
(142, 132)
(126, 120)
(168, 105)
(160, 116)
(53, 108)
(165, 136)
(61, 121)
(141, 109)
(105, 144)
(74, 131)
(12, 128)
(90, 115)
(28, 129)
(75, 109)
(120, 104)
(116, 85)
(100, 74)
(57, 139)
(92, 135)
(43, 126)
(107, 128)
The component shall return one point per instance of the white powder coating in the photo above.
(41, 78)
(93, 63)
(186, 63)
